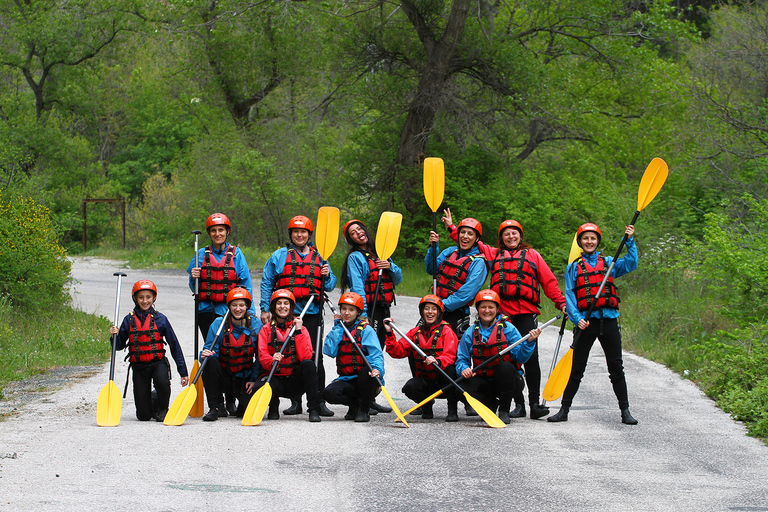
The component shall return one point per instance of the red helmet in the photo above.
(431, 299)
(300, 222)
(511, 224)
(239, 293)
(469, 222)
(585, 228)
(283, 293)
(352, 299)
(143, 284)
(347, 226)
(487, 295)
(217, 219)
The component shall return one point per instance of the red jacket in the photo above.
(303, 347)
(446, 345)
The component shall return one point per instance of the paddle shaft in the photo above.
(218, 331)
(120, 276)
(288, 338)
(557, 350)
(434, 255)
(197, 289)
(320, 324)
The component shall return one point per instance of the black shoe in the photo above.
(211, 415)
(362, 416)
(453, 414)
(627, 418)
(222, 411)
(562, 415)
(538, 411)
(469, 411)
(325, 411)
(295, 408)
(518, 411)
(273, 414)
(160, 415)
(427, 413)
(314, 416)
(417, 412)
(351, 413)
(231, 407)
(504, 416)
(380, 408)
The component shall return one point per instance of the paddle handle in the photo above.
(120, 277)
(288, 338)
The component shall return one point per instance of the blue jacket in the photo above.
(476, 275)
(243, 275)
(273, 268)
(253, 335)
(370, 345)
(358, 271)
(165, 330)
(519, 354)
(623, 266)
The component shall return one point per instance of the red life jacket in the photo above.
(217, 277)
(495, 344)
(453, 273)
(387, 290)
(290, 358)
(301, 274)
(236, 354)
(145, 342)
(431, 347)
(514, 277)
(588, 281)
(348, 360)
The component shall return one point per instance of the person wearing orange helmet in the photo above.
(496, 383)
(518, 275)
(145, 331)
(582, 281)
(299, 268)
(355, 386)
(295, 373)
(233, 368)
(438, 341)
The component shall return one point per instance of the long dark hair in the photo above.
(369, 247)
(288, 319)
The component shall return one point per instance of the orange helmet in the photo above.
(283, 293)
(217, 219)
(585, 228)
(510, 224)
(352, 299)
(469, 222)
(431, 299)
(239, 293)
(487, 295)
(349, 224)
(143, 284)
(300, 222)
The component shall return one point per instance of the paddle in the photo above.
(259, 402)
(109, 406)
(183, 403)
(392, 404)
(488, 416)
(198, 409)
(484, 363)
(653, 179)
(387, 235)
(434, 189)
(326, 238)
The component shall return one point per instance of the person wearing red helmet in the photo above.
(299, 268)
(355, 386)
(145, 331)
(518, 275)
(438, 341)
(496, 383)
(582, 280)
(461, 272)
(233, 368)
(295, 373)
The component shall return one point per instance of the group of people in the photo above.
(486, 355)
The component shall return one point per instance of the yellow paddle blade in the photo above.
(257, 406)
(575, 251)
(428, 399)
(484, 412)
(653, 179)
(181, 406)
(393, 405)
(327, 231)
(198, 408)
(388, 233)
(434, 182)
(558, 379)
(109, 406)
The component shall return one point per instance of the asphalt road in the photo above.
(684, 455)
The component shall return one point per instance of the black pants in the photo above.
(419, 388)
(204, 321)
(217, 380)
(312, 322)
(359, 391)
(524, 324)
(609, 333)
(497, 390)
(144, 376)
(458, 320)
(302, 380)
(377, 322)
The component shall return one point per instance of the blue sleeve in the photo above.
(626, 264)
(330, 280)
(428, 259)
(372, 349)
(523, 351)
(570, 297)
(244, 275)
(122, 333)
(272, 269)
(209, 344)
(164, 326)
(332, 340)
(395, 273)
(464, 352)
(475, 279)
(357, 272)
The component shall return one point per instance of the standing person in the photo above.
(497, 382)
(299, 269)
(233, 367)
(438, 341)
(582, 280)
(222, 268)
(360, 274)
(145, 331)
(295, 373)
(461, 273)
(355, 387)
